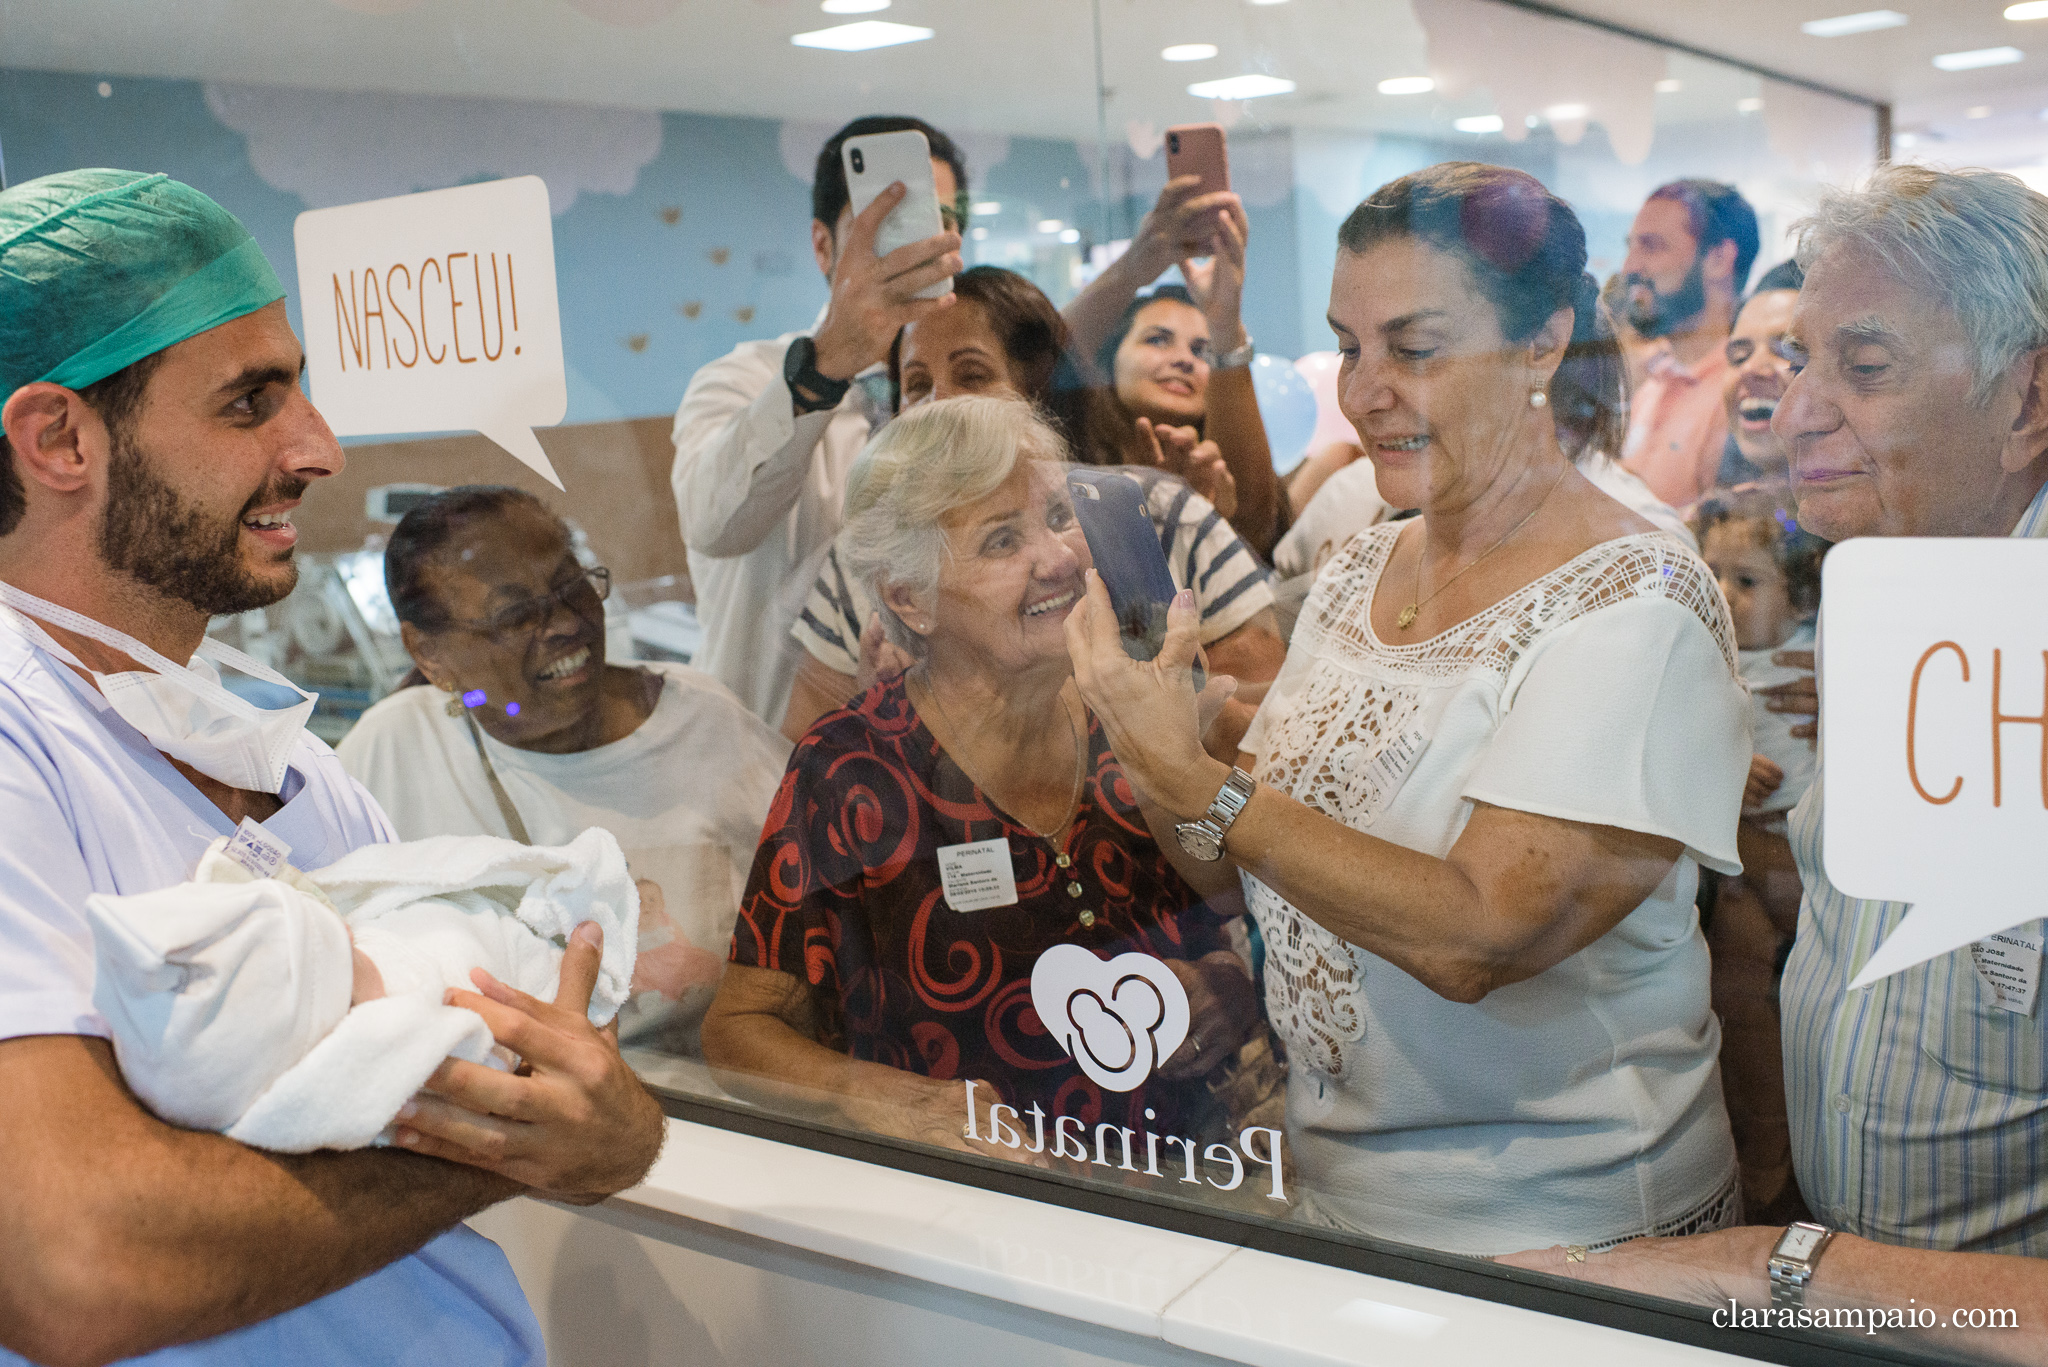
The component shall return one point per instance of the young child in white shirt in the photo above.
(299, 1011)
(1769, 571)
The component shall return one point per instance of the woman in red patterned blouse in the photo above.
(855, 982)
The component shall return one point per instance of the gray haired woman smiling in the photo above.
(1470, 813)
(866, 979)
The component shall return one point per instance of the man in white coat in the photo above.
(765, 434)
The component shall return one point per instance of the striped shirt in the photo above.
(1919, 1108)
(1202, 553)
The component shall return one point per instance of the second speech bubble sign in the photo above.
(437, 312)
(1934, 714)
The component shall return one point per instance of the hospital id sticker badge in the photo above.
(978, 876)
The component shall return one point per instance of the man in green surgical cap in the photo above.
(156, 443)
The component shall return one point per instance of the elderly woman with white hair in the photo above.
(936, 837)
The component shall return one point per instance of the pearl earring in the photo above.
(1537, 398)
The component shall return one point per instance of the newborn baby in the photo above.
(300, 1011)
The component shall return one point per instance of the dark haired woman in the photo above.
(521, 728)
(1179, 360)
(1508, 734)
(1004, 337)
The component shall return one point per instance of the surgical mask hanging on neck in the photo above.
(184, 710)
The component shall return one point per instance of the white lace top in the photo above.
(1579, 1106)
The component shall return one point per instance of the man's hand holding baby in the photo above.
(575, 1125)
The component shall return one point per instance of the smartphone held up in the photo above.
(875, 161)
(1132, 564)
(1199, 149)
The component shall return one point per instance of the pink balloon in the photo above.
(1319, 368)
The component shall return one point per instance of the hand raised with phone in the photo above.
(875, 297)
(1183, 223)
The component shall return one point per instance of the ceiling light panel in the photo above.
(1249, 87)
(1479, 123)
(2032, 9)
(853, 6)
(1407, 85)
(869, 33)
(1842, 25)
(1188, 52)
(1979, 57)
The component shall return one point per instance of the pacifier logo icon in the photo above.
(1119, 1019)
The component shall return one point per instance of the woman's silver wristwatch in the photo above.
(1204, 838)
(1793, 1260)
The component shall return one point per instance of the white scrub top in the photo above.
(87, 805)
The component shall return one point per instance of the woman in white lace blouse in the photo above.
(1507, 735)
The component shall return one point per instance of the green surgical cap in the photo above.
(99, 269)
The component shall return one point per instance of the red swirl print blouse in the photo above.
(845, 894)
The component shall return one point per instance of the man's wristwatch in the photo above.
(1204, 838)
(1234, 359)
(812, 392)
(1792, 1262)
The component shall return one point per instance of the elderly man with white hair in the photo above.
(1919, 1108)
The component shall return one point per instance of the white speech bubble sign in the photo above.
(1932, 799)
(436, 312)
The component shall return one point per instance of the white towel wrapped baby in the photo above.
(299, 1012)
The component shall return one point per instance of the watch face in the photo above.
(1799, 1242)
(1197, 841)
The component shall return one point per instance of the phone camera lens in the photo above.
(1172, 143)
(860, 165)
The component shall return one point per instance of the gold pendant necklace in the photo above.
(1406, 618)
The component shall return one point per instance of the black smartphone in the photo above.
(1125, 546)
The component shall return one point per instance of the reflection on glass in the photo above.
(1501, 749)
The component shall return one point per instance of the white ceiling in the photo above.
(1017, 68)
(1931, 106)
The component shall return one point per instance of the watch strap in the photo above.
(810, 391)
(1789, 1276)
(1225, 807)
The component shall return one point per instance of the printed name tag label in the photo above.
(978, 876)
(2010, 965)
(257, 850)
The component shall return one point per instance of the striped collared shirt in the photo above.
(1919, 1108)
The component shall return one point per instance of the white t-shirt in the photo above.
(1582, 1105)
(685, 794)
(1774, 738)
(1202, 552)
(1346, 505)
(87, 805)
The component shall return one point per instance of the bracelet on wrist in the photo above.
(1237, 357)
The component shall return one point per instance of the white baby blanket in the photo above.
(228, 996)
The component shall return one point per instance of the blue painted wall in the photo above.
(710, 247)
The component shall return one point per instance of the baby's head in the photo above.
(1767, 564)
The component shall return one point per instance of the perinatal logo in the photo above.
(1119, 1019)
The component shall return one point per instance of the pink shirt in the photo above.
(1677, 427)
